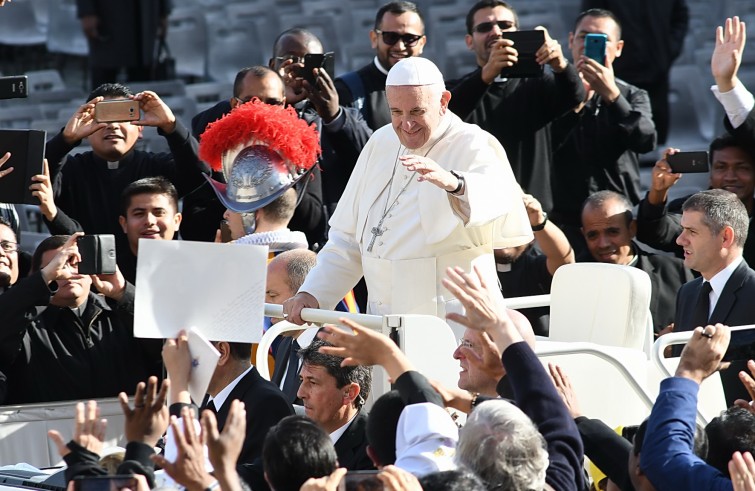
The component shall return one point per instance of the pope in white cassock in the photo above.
(428, 192)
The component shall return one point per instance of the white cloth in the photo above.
(414, 71)
(427, 230)
(277, 240)
(738, 102)
(426, 438)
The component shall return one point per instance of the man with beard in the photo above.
(528, 270)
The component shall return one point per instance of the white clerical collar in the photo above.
(340, 431)
(219, 399)
(379, 66)
(113, 165)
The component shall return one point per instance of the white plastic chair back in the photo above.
(612, 384)
(600, 303)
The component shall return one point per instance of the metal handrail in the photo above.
(319, 316)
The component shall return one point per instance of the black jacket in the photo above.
(375, 105)
(89, 192)
(596, 149)
(128, 30)
(518, 113)
(351, 447)
(51, 354)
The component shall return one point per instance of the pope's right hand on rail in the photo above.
(293, 306)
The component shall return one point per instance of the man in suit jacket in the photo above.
(333, 397)
(234, 378)
(285, 274)
(714, 229)
(609, 230)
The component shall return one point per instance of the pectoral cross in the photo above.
(376, 232)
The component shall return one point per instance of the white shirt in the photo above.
(219, 399)
(718, 282)
(340, 431)
(738, 102)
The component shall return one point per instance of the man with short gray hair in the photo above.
(503, 446)
(714, 229)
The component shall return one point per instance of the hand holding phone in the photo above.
(323, 61)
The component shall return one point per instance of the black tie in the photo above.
(290, 383)
(211, 406)
(702, 308)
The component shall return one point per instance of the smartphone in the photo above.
(360, 481)
(595, 47)
(526, 43)
(225, 232)
(97, 254)
(105, 483)
(116, 111)
(688, 162)
(14, 87)
(326, 61)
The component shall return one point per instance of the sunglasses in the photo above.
(270, 101)
(485, 27)
(390, 38)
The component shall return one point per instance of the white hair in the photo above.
(503, 447)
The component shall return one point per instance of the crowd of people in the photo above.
(390, 190)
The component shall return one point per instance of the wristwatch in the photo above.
(460, 188)
(540, 226)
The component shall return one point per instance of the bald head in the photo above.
(294, 266)
(261, 82)
(296, 41)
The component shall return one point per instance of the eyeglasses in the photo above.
(293, 58)
(271, 101)
(390, 38)
(485, 27)
(8, 246)
(463, 343)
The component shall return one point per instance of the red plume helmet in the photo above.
(262, 151)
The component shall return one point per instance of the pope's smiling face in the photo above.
(416, 111)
